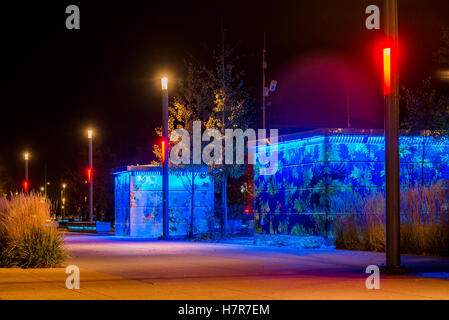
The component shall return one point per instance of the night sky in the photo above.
(59, 82)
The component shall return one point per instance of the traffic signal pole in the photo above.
(391, 104)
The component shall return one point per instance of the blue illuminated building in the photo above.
(320, 169)
(138, 202)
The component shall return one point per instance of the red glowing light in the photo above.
(387, 70)
(163, 150)
(25, 186)
(249, 211)
(89, 175)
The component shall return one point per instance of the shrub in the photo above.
(38, 248)
(26, 238)
(424, 222)
(346, 234)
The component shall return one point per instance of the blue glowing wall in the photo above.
(138, 203)
(316, 172)
(122, 209)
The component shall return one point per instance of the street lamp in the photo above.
(89, 175)
(26, 183)
(46, 188)
(164, 82)
(63, 200)
(165, 230)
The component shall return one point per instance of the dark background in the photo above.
(59, 82)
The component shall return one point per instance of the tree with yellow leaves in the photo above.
(219, 99)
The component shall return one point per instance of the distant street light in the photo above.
(89, 175)
(26, 183)
(165, 230)
(164, 82)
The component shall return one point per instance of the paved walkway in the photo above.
(118, 268)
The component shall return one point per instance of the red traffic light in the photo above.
(387, 70)
(89, 172)
(163, 150)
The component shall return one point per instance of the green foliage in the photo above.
(216, 96)
(427, 110)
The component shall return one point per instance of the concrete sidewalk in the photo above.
(114, 268)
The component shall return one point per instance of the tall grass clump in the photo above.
(424, 221)
(27, 239)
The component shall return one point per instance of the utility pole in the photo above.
(391, 104)
(165, 217)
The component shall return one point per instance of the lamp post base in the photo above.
(386, 269)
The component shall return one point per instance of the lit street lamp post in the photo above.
(26, 183)
(89, 173)
(63, 200)
(164, 82)
(46, 187)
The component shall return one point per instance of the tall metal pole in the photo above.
(224, 185)
(63, 200)
(391, 104)
(91, 189)
(165, 217)
(26, 172)
(62, 204)
(264, 67)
